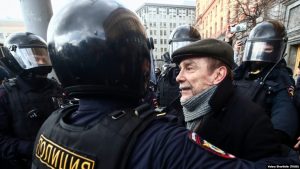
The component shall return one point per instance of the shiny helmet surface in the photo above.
(181, 36)
(99, 47)
(25, 52)
(266, 43)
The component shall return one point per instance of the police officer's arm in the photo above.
(284, 114)
(168, 146)
(10, 147)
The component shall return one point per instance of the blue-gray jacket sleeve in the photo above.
(171, 147)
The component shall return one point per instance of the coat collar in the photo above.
(220, 98)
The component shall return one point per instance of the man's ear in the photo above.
(219, 75)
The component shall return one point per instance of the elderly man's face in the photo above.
(194, 77)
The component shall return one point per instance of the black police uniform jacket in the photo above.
(167, 86)
(238, 126)
(70, 139)
(275, 96)
(23, 109)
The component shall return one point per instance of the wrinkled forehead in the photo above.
(193, 59)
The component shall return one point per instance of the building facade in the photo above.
(292, 23)
(160, 20)
(212, 17)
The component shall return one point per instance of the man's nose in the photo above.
(180, 77)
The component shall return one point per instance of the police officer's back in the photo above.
(25, 101)
(108, 68)
(265, 79)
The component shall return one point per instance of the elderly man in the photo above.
(213, 109)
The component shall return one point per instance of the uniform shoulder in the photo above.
(282, 76)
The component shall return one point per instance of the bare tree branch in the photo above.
(250, 10)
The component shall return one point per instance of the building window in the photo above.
(221, 28)
(215, 27)
(155, 41)
(216, 10)
(161, 41)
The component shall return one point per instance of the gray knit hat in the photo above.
(206, 48)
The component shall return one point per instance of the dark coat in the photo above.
(238, 126)
(17, 127)
(275, 96)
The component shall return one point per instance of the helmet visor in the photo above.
(176, 45)
(263, 51)
(32, 57)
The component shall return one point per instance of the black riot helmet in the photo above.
(181, 36)
(99, 48)
(27, 54)
(266, 42)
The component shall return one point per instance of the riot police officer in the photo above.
(167, 85)
(25, 101)
(264, 77)
(100, 54)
